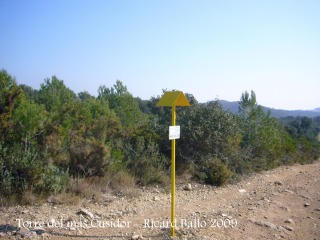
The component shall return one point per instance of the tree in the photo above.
(264, 140)
(22, 166)
(85, 96)
(58, 101)
(123, 103)
(249, 108)
(208, 131)
(10, 95)
(55, 95)
(252, 117)
(31, 94)
(30, 122)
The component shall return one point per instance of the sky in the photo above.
(213, 49)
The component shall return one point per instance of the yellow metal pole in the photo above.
(173, 173)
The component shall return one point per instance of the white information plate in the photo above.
(174, 132)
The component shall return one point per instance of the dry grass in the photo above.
(122, 181)
(94, 189)
(123, 184)
(77, 186)
(64, 198)
(8, 201)
(29, 198)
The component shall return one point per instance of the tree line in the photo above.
(52, 137)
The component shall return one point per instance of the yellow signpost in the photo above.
(173, 99)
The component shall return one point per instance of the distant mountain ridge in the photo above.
(277, 113)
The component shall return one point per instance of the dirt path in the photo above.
(280, 204)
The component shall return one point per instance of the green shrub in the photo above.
(145, 162)
(23, 173)
(214, 172)
(54, 179)
(20, 169)
(88, 156)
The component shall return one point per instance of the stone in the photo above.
(306, 205)
(278, 183)
(289, 228)
(289, 221)
(156, 198)
(266, 224)
(107, 198)
(135, 237)
(39, 230)
(242, 190)
(45, 235)
(86, 212)
(188, 187)
(26, 233)
(286, 208)
(289, 191)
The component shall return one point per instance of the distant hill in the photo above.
(277, 113)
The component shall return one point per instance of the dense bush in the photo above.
(214, 172)
(24, 170)
(53, 141)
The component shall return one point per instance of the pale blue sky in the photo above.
(211, 49)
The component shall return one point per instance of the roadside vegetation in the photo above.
(56, 143)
